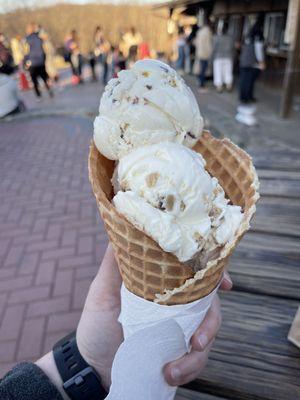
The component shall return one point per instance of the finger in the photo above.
(109, 268)
(186, 368)
(226, 282)
(107, 283)
(209, 327)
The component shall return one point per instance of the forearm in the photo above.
(48, 366)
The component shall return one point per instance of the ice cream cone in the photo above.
(146, 269)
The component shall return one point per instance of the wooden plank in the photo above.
(184, 394)
(265, 280)
(278, 215)
(251, 358)
(278, 174)
(271, 242)
(278, 159)
(280, 187)
(267, 264)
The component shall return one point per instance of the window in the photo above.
(274, 30)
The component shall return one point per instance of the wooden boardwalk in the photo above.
(251, 358)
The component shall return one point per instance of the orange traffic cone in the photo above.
(23, 82)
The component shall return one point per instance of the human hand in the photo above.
(99, 334)
(262, 66)
(188, 367)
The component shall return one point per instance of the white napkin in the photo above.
(153, 336)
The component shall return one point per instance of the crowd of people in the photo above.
(112, 59)
(35, 54)
(197, 49)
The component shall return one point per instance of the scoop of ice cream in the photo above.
(166, 192)
(147, 104)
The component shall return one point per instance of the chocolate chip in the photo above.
(161, 205)
(172, 82)
(164, 69)
(199, 239)
(124, 126)
(151, 179)
(149, 87)
(135, 100)
(191, 135)
(170, 200)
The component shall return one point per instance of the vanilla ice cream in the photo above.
(165, 191)
(150, 103)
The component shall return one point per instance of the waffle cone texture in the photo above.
(147, 270)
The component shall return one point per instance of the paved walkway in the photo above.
(52, 239)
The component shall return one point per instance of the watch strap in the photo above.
(68, 358)
(80, 380)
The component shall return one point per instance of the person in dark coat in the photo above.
(35, 59)
(252, 61)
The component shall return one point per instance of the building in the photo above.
(281, 31)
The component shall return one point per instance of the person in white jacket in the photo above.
(223, 50)
(203, 44)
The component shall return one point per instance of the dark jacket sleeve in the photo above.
(27, 381)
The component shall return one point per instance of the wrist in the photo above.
(48, 366)
(101, 366)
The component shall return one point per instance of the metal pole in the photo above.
(290, 71)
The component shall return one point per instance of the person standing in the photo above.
(203, 44)
(180, 50)
(223, 49)
(131, 41)
(17, 49)
(35, 60)
(187, 49)
(6, 59)
(98, 39)
(105, 51)
(17, 46)
(73, 56)
(50, 55)
(102, 51)
(252, 62)
(117, 61)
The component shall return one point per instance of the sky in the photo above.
(8, 5)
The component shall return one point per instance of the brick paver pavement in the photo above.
(51, 237)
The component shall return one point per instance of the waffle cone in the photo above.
(146, 269)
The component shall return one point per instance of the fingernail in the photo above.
(202, 340)
(175, 374)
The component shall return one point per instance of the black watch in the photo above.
(80, 380)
